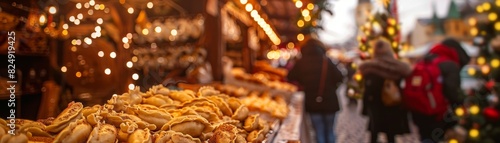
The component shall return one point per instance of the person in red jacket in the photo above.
(430, 129)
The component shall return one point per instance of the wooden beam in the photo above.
(214, 42)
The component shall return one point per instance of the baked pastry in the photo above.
(67, 116)
(193, 125)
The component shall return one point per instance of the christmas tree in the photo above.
(479, 115)
(382, 23)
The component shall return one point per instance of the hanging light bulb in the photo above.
(157, 29)
(310, 6)
(130, 64)
(100, 54)
(42, 19)
(150, 5)
(99, 21)
(135, 76)
(131, 86)
(300, 37)
(78, 5)
(300, 23)
(107, 71)
(52, 10)
(249, 7)
(64, 69)
(130, 10)
(112, 55)
(298, 4)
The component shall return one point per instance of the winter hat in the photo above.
(382, 50)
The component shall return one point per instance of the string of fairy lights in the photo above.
(305, 18)
(261, 21)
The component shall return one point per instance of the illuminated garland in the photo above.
(479, 116)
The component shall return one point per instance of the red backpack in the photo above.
(423, 89)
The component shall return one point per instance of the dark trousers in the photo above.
(430, 129)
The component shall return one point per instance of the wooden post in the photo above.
(214, 42)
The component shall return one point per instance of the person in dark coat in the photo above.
(430, 129)
(308, 73)
(391, 120)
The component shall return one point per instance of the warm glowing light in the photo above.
(125, 40)
(453, 141)
(495, 63)
(307, 18)
(86, 5)
(42, 19)
(290, 45)
(52, 10)
(157, 29)
(112, 55)
(78, 42)
(126, 45)
(130, 10)
(130, 64)
(99, 21)
(395, 44)
(298, 4)
(472, 21)
(64, 32)
(77, 21)
(300, 23)
(78, 5)
(64, 69)
(471, 71)
(243, 1)
(459, 112)
(100, 54)
(310, 6)
(486, 6)
(249, 7)
(473, 31)
(72, 18)
(97, 28)
(300, 37)
(485, 69)
(107, 71)
(79, 16)
(481, 60)
(173, 32)
(65, 26)
(150, 5)
(492, 16)
(474, 109)
(129, 35)
(134, 59)
(479, 9)
(73, 49)
(254, 13)
(87, 40)
(92, 2)
(358, 77)
(102, 7)
(391, 30)
(497, 26)
(474, 133)
(135, 76)
(131, 86)
(145, 31)
(305, 12)
(78, 74)
(497, 3)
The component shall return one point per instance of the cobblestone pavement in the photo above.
(351, 125)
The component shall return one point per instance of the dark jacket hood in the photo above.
(453, 50)
(313, 47)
